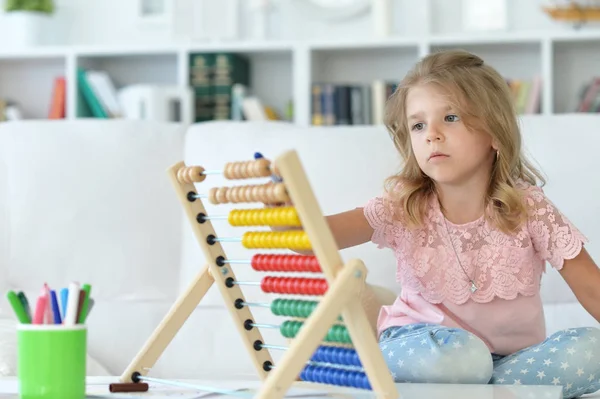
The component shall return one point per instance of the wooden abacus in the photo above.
(324, 348)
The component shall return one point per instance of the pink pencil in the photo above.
(40, 308)
(48, 318)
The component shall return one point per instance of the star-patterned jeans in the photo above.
(429, 353)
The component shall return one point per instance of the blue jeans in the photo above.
(429, 353)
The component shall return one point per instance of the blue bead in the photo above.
(303, 374)
(366, 384)
(337, 355)
(356, 360)
(327, 351)
(344, 378)
(315, 356)
(337, 380)
(340, 356)
(327, 376)
(308, 375)
(258, 155)
(349, 357)
(321, 375)
(357, 379)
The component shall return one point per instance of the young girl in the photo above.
(471, 231)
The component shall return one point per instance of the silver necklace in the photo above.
(474, 287)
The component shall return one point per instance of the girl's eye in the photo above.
(417, 126)
(452, 118)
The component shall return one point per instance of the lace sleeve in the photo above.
(379, 215)
(554, 237)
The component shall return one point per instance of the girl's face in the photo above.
(444, 148)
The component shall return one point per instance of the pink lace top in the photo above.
(506, 309)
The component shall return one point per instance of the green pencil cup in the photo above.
(51, 361)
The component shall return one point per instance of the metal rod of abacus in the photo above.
(255, 304)
(217, 217)
(237, 261)
(246, 282)
(227, 239)
(212, 172)
(260, 325)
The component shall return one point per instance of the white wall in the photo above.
(113, 21)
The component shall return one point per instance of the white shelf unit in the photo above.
(284, 71)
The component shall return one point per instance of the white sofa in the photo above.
(90, 201)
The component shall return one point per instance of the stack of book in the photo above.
(213, 77)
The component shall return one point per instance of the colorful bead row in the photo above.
(266, 193)
(336, 355)
(332, 376)
(247, 169)
(191, 174)
(284, 216)
(296, 240)
(337, 333)
(294, 308)
(285, 263)
(294, 285)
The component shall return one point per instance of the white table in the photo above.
(98, 388)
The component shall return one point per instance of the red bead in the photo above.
(314, 287)
(315, 267)
(264, 284)
(284, 263)
(323, 288)
(270, 263)
(255, 262)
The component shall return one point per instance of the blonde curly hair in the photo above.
(483, 101)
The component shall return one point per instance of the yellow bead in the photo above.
(306, 242)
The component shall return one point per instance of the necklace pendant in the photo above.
(473, 287)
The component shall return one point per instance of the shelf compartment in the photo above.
(361, 65)
(268, 78)
(29, 83)
(131, 69)
(518, 62)
(575, 65)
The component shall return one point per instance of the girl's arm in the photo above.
(583, 277)
(348, 228)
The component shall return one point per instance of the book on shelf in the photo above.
(350, 104)
(526, 94)
(223, 91)
(589, 97)
(59, 99)
(97, 95)
(364, 104)
(213, 77)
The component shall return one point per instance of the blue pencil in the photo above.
(55, 309)
(64, 297)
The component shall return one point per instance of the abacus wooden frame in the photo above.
(345, 281)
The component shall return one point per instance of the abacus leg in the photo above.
(365, 343)
(346, 286)
(170, 325)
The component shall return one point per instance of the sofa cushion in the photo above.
(90, 200)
